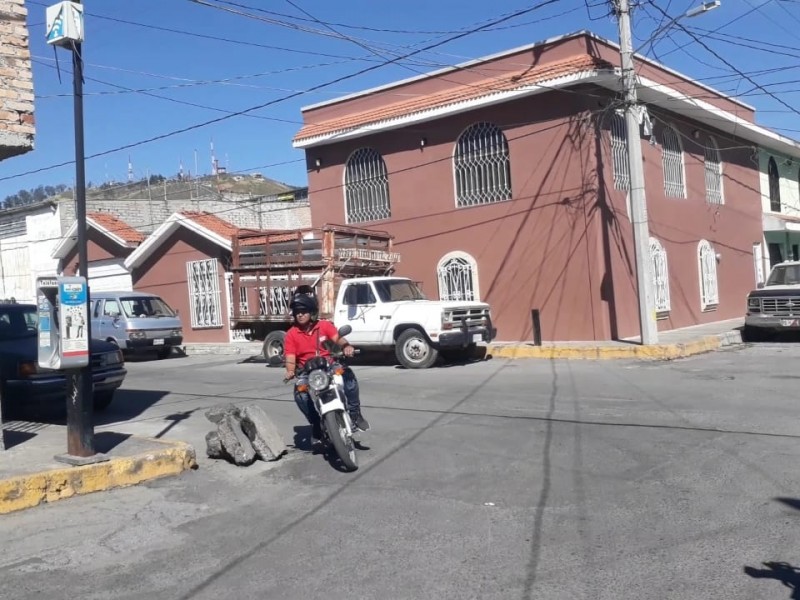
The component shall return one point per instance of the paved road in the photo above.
(495, 480)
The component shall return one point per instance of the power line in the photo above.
(289, 96)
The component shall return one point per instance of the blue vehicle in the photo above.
(24, 385)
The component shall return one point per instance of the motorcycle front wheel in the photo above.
(345, 446)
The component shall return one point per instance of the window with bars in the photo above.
(660, 276)
(458, 277)
(709, 286)
(713, 169)
(366, 187)
(204, 293)
(619, 153)
(482, 166)
(672, 159)
(774, 185)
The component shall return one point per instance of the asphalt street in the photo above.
(492, 480)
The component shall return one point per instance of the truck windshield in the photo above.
(17, 323)
(144, 306)
(397, 290)
(788, 275)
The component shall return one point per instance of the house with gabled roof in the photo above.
(109, 242)
(186, 261)
(506, 179)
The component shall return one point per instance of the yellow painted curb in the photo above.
(598, 352)
(26, 491)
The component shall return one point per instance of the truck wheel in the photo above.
(273, 344)
(414, 351)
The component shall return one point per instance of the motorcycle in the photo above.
(322, 378)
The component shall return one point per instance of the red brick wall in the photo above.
(16, 81)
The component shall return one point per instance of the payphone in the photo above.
(63, 339)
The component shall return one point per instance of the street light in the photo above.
(639, 220)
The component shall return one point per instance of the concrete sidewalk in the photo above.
(673, 344)
(30, 475)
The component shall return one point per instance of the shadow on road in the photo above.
(787, 574)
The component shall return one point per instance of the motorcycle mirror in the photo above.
(275, 360)
(344, 330)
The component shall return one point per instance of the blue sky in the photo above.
(272, 61)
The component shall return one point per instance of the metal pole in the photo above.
(641, 233)
(80, 429)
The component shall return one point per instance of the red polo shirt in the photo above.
(303, 344)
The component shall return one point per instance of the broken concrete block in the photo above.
(234, 441)
(217, 413)
(263, 433)
(214, 447)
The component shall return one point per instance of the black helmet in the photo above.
(304, 301)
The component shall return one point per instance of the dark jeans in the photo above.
(306, 404)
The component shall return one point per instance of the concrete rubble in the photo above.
(243, 435)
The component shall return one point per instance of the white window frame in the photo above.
(619, 152)
(481, 166)
(707, 269)
(713, 171)
(366, 187)
(673, 164)
(236, 335)
(470, 290)
(202, 277)
(660, 275)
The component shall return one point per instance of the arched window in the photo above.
(366, 187)
(672, 159)
(709, 287)
(660, 276)
(774, 185)
(482, 167)
(458, 277)
(713, 167)
(619, 152)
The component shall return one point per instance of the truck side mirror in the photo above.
(344, 330)
(760, 284)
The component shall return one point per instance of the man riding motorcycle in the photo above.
(304, 341)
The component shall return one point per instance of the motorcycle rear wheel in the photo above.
(337, 432)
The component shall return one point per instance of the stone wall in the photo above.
(16, 81)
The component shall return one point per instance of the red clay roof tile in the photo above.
(117, 227)
(212, 222)
(461, 93)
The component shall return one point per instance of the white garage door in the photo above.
(109, 277)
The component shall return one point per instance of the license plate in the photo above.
(789, 322)
(158, 342)
(476, 337)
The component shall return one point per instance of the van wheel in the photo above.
(273, 345)
(414, 351)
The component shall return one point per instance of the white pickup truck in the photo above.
(392, 313)
(351, 272)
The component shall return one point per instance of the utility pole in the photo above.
(65, 28)
(641, 230)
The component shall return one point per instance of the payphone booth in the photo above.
(63, 322)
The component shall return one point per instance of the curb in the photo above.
(630, 351)
(234, 348)
(26, 491)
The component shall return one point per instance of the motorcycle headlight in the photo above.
(318, 380)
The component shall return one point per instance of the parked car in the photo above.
(775, 305)
(24, 384)
(136, 322)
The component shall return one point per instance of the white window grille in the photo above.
(482, 166)
(204, 293)
(619, 153)
(672, 159)
(660, 276)
(458, 277)
(709, 286)
(713, 167)
(366, 187)
(236, 335)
